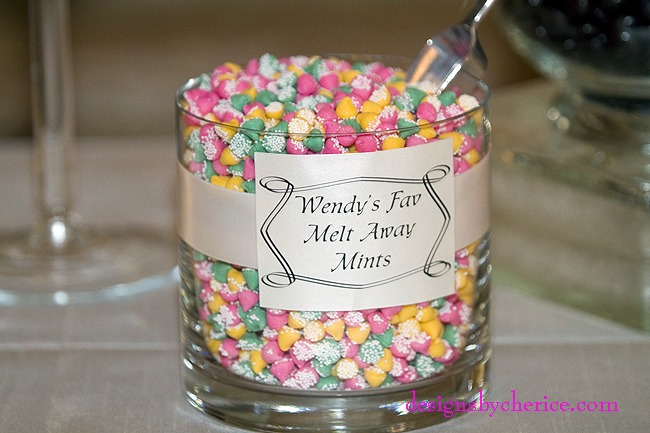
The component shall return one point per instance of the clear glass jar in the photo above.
(280, 369)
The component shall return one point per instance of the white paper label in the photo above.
(355, 231)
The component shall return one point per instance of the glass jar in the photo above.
(278, 331)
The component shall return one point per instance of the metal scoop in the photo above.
(447, 51)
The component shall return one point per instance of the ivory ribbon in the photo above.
(221, 223)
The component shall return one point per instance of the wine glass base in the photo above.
(110, 265)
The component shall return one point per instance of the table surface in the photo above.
(115, 366)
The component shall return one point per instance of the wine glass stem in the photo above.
(53, 124)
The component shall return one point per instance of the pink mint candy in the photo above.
(226, 294)
(346, 140)
(195, 167)
(304, 378)
(389, 312)
(204, 313)
(271, 352)
(353, 319)
(206, 293)
(460, 165)
(306, 85)
(362, 364)
(329, 80)
(203, 271)
(421, 344)
(249, 107)
(462, 261)
(385, 126)
(295, 147)
(227, 362)
(230, 315)
(225, 88)
(378, 322)
(331, 127)
(276, 321)
(228, 348)
(451, 354)
(362, 86)
(348, 348)
(401, 347)
(409, 375)
(249, 169)
(366, 143)
(219, 168)
(302, 350)
(468, 144)
(282, 369)
(443, 126)
(449, 314)
(242, 85)
(393, 91)
(415, 140)
(427, 111)
(464, 311)
(332, 146)
(399, 366)
(247, 299)
(252, 67)
(354, 384)
(382, 71)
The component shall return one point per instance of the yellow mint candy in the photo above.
(187, 131)
(236, 332)
(370, 107)
(472, 157)
(433, 328)
(287, 336)
(235, 183)
(314, 331)
(257, 362)
(236, 280)
(275, 110)
(456, 139)
(359, 334)
(348, 75)
(234, 67)
(219, 180)
(466, 293)
(380, 96)
(227, 157)
(295, 69)
(407, 312)
(211, 117)
(256, 113)
(345, 368)
(367, 120)
(400, 86)
(345, 109)
(308, 115)
(426, 130)
(460, 278)
(335, 328)
(410, 328)
(386, 361)
(228, 129)
(296, 321)
(326, 93)
(427, 313)
(298, 127)
(213, 345)
(393, 142)
(437, 348)
(374, 376)
(216, 303)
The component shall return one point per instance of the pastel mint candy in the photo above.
(407, 127)
(274, 143)
(315, 141)
(322, 368)
(451, 335)
(330, 383)
(254, 319)
(327, 351)
(371, 351)
(426, 367)
(240, 145)
(208, 170)
(468, 128)
(220, 271)
(238, 100)
(385, 339)
(447, 98)
(353, 123)
(416, 95)
(265, 97)
(252, 127)
(286, 95)
(268, 66)
(252, 278)
(237, 169)
(249, 186)
(250, 341)
(255, 148)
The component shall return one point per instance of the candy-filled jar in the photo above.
(334, 244)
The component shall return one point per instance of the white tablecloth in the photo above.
(115, 366)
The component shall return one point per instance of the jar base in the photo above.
(269, 408)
